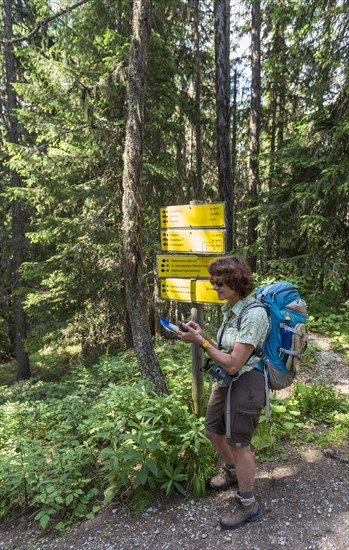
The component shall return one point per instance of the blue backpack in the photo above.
(287, 336)
(285, 342)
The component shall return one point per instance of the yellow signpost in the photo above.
(184, 266)
(192, 215)
(188, 290)
(197, 229)
(199, 241)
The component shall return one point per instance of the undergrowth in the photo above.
(100, 434)
(313, 413)
(69, 447)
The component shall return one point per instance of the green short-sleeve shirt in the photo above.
(253, 329)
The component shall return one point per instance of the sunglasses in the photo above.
(215, 282)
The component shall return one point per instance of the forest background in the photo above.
(245, 102)
(63, 139)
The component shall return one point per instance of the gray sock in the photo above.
(246, 495)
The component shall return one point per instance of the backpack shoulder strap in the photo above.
(258, 350)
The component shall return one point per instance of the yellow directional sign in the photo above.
(184, 266)
(188, 290)
(192, 215)
(202, 241)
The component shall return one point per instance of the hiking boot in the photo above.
(225, 478)
(247, 511)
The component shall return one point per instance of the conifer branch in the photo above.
(106, 80)
(41, 24)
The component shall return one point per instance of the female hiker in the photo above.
(233, 411)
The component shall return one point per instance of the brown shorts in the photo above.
(247, 401)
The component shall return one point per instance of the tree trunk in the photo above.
(199, 190)
(222, 30)
(271, 175)
(234, 159)
(278, 115)
(132, 208)
(13, 134)
(254, 129)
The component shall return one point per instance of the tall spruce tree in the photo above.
(197, 71)
(222, 68)
(18, 242)
(255, 117)
(132, 201)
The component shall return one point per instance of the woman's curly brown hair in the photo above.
(235, 272)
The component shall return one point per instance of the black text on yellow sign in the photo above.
(184, 266)
(196, 215)
(200, 241)
(188, 290)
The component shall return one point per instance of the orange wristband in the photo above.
(205, 344)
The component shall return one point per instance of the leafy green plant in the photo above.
(162, 443)
(296, 417)
(337, 433)
(318, 402)
(311, 355)
(329, 316)
(99, 431)
(171, 479)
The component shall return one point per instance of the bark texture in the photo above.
(199, 189)
(254, 128)
(132, 208)
(18, 241)
(222, 31)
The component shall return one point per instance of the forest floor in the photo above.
(305, 503)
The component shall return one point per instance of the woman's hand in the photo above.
(196, 327)
(192, 335)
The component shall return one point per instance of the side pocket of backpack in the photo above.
(298, 347)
